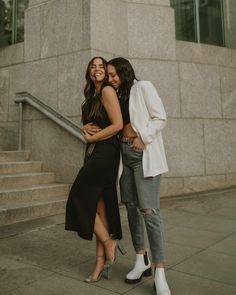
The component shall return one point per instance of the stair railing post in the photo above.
(20, 125)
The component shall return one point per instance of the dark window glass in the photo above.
(211, 22)
(5, 22)
(199, 21)
(12, 21)
(185, 20)
(22, 5)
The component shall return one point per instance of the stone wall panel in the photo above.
(109, 33)
(151, 31)
(184, 144)
(71, 81)
(8, 136)
(13, 115)
(11, 55)
(202, 53)
(32, 36)
(61, 30)
(27, 136)
(228, 88)
(200, 91)
(4, 90)
(220, 143)
(17, 82)
(41, 80)
(233, 62)
(230, 179)
(59, 151)
(203, 183)
(171, 186)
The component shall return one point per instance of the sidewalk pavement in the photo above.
(41, 258)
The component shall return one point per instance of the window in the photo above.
(199, 21)
(12, 21)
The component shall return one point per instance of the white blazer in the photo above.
(148, 118)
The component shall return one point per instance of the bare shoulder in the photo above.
(108, 94)
(108, 90)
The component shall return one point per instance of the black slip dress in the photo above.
(96, 179)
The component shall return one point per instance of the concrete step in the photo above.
(23, 180)
(12, 213)
(14, 156)
(34, 193)
(27, 193)
(20, 167)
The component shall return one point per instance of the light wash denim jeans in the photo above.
(137, 193)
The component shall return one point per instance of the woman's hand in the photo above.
(138, 145)
(88, 137)
(91, 128)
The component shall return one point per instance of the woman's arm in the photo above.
(156, 111)
(112, 107)
(91, 128)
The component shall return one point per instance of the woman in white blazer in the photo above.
(144, 160)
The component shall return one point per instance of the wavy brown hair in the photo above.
(92, 104)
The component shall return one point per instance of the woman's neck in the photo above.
(98, 87)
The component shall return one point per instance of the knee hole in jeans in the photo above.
(146, 211)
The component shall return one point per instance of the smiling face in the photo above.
(114, 79)
(97, 71)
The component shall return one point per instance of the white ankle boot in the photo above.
(141, 268)
(161, 283)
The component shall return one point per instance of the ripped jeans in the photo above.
(141, 197)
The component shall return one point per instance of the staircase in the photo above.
(26, 192)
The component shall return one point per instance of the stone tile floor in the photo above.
(40, 258)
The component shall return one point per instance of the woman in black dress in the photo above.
(92, 206)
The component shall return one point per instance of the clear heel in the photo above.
(91, 279)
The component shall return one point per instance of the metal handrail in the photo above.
(49, 112)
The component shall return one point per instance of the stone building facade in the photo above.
(196, 82)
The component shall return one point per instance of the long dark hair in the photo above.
(92, 104)
(126, 74)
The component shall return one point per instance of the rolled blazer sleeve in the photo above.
(156, 111)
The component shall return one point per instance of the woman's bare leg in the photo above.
(102, 234)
